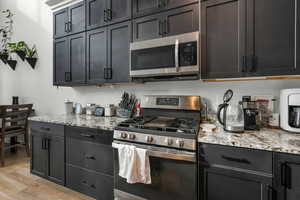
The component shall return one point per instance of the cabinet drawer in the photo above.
(96, 157)
(92, 135)
(247, 159)
(53, 129)
(93, 184)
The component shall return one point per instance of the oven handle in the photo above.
(160, 152)
(177, 55)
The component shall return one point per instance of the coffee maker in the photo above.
(251, 114)
(290, 110)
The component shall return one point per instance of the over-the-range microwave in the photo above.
(174, 57)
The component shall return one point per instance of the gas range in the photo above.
(167, 121)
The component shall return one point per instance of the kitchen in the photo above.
(257, 61)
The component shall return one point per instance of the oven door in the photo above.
(173, 174)
(173, 55)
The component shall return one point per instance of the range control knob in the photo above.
(124, 135)
(131, 136)
(149, 139)
(169, 141)
(180, 143)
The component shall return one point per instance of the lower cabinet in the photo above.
(287, 176)
(48, 160)
(235, 174)
(89, 162)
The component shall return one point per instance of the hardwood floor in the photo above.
(16, 183)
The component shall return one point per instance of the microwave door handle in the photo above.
(177, 55)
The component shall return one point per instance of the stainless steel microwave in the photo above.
(174, 56)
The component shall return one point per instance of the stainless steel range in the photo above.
(168, 129)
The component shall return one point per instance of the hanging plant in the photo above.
(6, 33)
(31, 56)
(4, 56)
(18, 48)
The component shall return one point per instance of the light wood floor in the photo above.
(16, 183)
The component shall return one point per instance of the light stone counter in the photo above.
(265, 139)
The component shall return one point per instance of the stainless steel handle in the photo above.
(160, 152)
(177, 55)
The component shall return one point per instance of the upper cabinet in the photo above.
(105, 12)
(177, 21)
(249, 38)
(146, 7)
(70, 20)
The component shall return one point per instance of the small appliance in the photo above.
(290, 110)
(251, 115)
(174, 57)
(231, 116)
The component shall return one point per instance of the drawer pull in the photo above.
(84, 182)
(87, 135)
(93, 186)
(239, 160)
(90, 157)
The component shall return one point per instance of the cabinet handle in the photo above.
(161, 4)
(66, 27)
(286, 176)
(105, 15)
(43, 143)
(270, 193)
(160, 24)
(93, 186)
(109, 14)
(90, 157)
(253, 63)
(107, 73)
(244, 67)
(87, 135)
(239, 160)
(166, 27)
(70, 26)
(45, 129)
(67, 76)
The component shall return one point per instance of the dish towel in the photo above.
(134, 164)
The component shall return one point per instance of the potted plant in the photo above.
(18, 48)
(30, 56)
(4, 56)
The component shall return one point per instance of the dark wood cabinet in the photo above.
(146, 7)
(96, 55)
(77, 50)
(69, 60)
(248, 38)
(89, 162)
(223, 39)
(173, 22)
(105, 12)
(119, 38)
(287, 176)
(108, 54)
(69, 20)
(48, 157)
(61, 61)
(271, 37)
(234, 173)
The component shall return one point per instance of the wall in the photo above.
(33, 23)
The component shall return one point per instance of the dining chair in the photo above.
(14, 123)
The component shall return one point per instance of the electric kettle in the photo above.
(231, 116)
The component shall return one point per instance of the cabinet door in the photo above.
(219, 184)
(271, 37)
(223, 38)
(39, 159)
(182, 20)
(96, 55)
(119, 10)
(61, 69)
(147, 28)
(118, 52)
(96, 11)
(77, 58)
(287, 176)
(77, 18)
(56, 150)
(144, 7)
(177, 3)
(60, 23)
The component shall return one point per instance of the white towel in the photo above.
(134, 164)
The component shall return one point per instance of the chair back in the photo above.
(14, 117)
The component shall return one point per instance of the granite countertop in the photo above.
(266, 139)
(88, 121)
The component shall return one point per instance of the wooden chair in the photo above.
(14, 123)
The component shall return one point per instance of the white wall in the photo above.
(33, 24)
